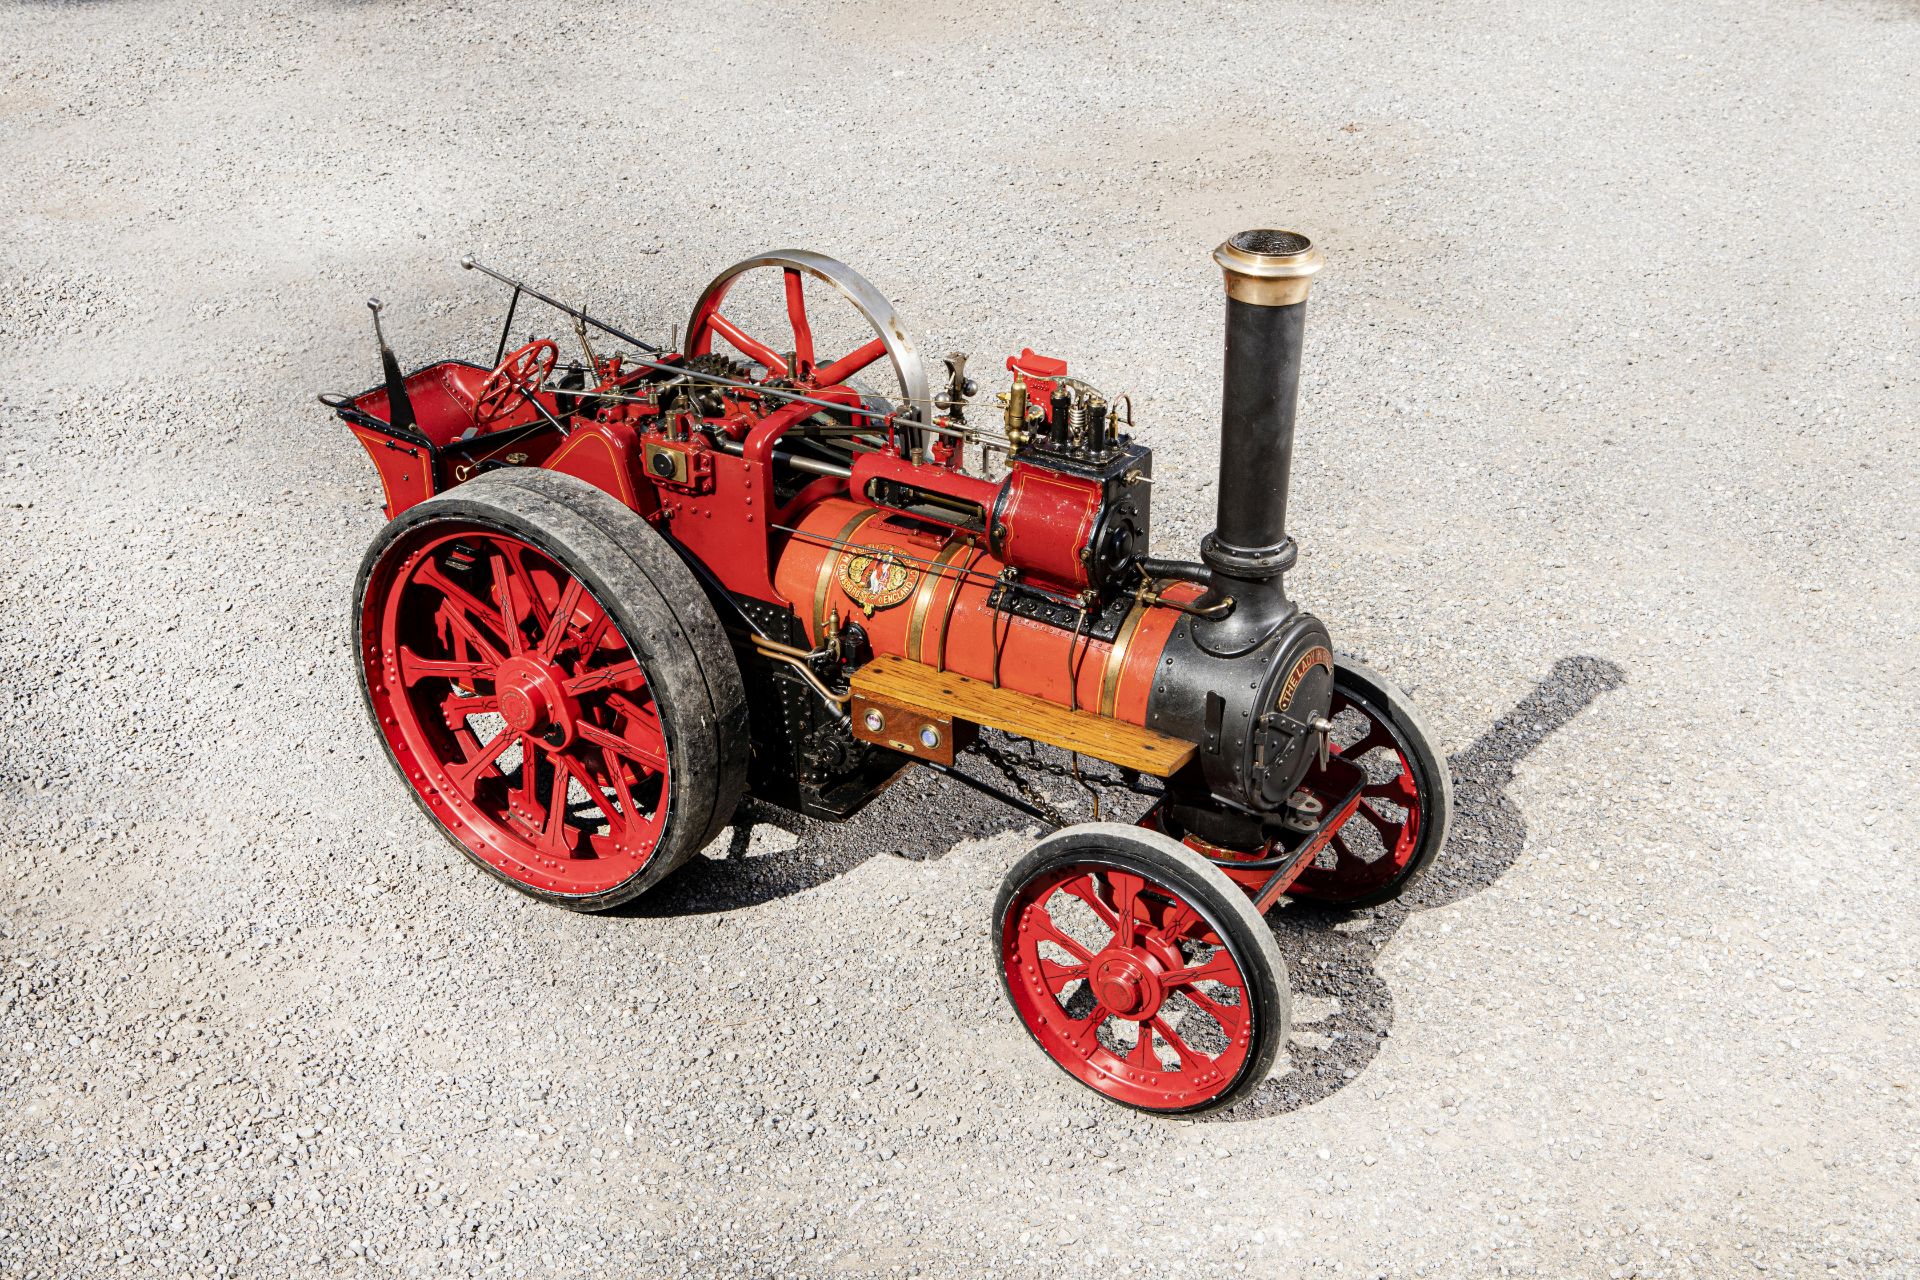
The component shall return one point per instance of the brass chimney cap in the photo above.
(1268, 268)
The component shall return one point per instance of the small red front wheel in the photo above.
(1405, 805)
(1141, 969)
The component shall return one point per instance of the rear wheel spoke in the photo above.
(628, 674)
(414, 669)
(553, 832)
(561, 622)
(570, 794)
(649, 753)
(467, 774)
(509, 612)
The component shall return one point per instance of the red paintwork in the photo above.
(1398, 834)
(1041, 372)
(517, 377)
(1045, 525)
(726, 515)
(519, 640)
(958, 630)
(1126, 944)
(871, 470)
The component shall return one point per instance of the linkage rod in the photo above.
(759, 389)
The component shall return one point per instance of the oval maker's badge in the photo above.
(876, 579)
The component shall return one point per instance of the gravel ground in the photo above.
(1607, 455)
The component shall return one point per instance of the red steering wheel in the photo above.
(520, 375)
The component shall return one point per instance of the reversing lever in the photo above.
(399, 405)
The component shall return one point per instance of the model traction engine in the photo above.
(620, 592)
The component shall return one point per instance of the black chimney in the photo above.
(1268, 274)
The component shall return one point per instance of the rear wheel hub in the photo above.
(533, 699)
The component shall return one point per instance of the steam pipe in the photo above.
(1268, 275)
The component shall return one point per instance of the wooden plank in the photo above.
(964, 698)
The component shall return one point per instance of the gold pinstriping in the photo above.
(931, 578)
(830, 568)
(1117, 658)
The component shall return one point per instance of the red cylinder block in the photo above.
(1043, 525)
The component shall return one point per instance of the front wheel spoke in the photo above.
(1125, 888)
(1219, 967)
(1181, 922)
(1082, 888)
(649, 754)
(1231, 1017)
(1388, 829)
(1057, 976)
(1397, 789)
(1373, 739)
(1142, 1054)
(1042, 924)
(1189, 1056)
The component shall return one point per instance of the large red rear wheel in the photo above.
(551, 707)
(1405, 804)
(1141, 969)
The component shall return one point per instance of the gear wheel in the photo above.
(717, 365)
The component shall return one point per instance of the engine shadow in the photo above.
(1331, 955)
(770, 853)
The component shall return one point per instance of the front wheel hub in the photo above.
(1127, 985)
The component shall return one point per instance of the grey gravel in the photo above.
(1606, 454)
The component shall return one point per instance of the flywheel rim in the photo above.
(902, 351)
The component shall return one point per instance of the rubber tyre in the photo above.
(1167, 863)
(1432, 780)
(668, 622)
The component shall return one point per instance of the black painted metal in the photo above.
(1248, 763)
(1249, 549)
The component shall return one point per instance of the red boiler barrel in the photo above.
(921, 594)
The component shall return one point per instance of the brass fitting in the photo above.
(1268, 268)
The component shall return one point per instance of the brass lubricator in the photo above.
(1015, 419)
